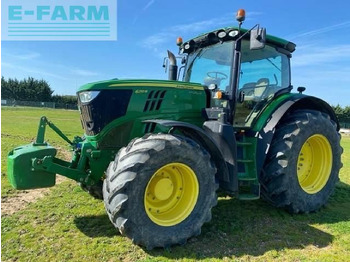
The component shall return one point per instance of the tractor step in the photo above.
(249, 190)
(245, 161)
(244, 143)
(248, 197)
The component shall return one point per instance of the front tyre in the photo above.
(302, 166)
(160, 190)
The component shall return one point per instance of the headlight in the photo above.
(221, 34)
(233, 33)
(87, 96)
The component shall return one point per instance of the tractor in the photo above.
(157, 151)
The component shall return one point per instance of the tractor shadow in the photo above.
(240, 228)
(96, 226)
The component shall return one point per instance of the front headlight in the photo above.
(87, 96)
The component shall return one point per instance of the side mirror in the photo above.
(257, 38)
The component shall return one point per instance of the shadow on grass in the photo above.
(241, 228)
(96, 226)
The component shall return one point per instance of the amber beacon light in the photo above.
(240, 16)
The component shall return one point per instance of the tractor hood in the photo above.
(137, 84)
(106, 104)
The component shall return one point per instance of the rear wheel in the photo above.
(303, 162)
(160, 190)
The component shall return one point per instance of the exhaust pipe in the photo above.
(172, 66)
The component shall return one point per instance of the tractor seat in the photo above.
(261, 86)
(253, 91)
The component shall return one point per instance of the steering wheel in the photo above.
(216, 75)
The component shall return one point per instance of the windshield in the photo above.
(210, 65)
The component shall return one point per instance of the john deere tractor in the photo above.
(156, 151)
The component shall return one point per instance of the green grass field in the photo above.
(68, 225)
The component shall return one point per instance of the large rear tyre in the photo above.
(302, 165)
(160, 190)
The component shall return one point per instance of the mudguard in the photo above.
(206, 141)
(264, 128)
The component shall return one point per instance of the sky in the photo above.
(147, 28)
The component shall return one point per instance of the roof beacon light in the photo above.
(179, 41)
(240, 16)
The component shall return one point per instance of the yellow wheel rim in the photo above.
(171, 194)
(314, 164)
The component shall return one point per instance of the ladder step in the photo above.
(245, 161)
(248, 197)
(242, 178)
(244, 144)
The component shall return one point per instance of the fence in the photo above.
(344, 125)
(39, 104)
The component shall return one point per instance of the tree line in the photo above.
(343, 113)
(30, 89)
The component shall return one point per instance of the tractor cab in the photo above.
(244, 70)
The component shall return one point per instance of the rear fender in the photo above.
(264, 130)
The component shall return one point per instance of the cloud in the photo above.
(321, 30)
(189, 29)
(148, 5)
(82, 72)
(324, 70)
(317, 55)
(32, 70)
(155, 41)
(202, 25)
(25, 56)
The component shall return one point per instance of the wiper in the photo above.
(268, 59)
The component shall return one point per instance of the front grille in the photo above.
(103, 109)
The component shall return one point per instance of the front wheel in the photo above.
(302, 166)
(160, 190)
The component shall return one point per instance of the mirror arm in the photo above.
(248, 32)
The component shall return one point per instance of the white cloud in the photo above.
(25, 56)
(321, 30)
(82, 72)
(324, 70)
(316, 55)
(189, 29)
(148, 5)
(31, 70)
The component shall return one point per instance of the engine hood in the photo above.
(139, 83)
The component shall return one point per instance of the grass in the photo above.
(68, 225)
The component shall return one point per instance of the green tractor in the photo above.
(157, 151)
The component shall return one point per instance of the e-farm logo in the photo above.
(72, 20)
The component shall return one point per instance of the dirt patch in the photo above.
(13, 204)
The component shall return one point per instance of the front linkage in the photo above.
(36, 165)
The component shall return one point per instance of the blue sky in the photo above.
(147, 28)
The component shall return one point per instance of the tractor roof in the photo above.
(210, 38)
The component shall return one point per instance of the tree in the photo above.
(28, 89)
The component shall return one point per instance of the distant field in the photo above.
(68, 225)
